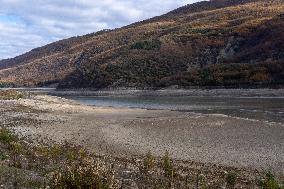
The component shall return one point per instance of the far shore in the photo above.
(261, 92)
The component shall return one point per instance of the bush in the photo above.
(84, 173)
(6, 137)
(4, 84)
(269, 182)
(203, 182)
(147, 45)
(231, 179)
(16, 150)
(149, 162)
(10, 95)
(168, 166)
(3, 156)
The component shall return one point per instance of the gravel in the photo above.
(216, 139)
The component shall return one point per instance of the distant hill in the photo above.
(229, 43)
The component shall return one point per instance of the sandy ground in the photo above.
(216, 139)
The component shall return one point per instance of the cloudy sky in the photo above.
(26, 24)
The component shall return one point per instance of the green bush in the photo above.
(3, 156)
(270, 182)
(149, 162)
(147, 45)
(6, 137)
(16, 148)
(168, 166)
(231, 179)
(203, 182)
(4, 84)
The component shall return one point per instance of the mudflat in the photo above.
(215, 139)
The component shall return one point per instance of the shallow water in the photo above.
(260, 108)
(251, 106)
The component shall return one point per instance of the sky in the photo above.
(27, 24)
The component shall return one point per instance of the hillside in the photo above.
(216, 43)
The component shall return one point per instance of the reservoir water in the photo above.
(248, 104)
(260, 108)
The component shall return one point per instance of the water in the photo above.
(260, 108)
(267, 108)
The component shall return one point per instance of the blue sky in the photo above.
(26, 24)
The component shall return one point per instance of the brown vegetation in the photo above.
(215, 35)
(27, 165)
(11, 95)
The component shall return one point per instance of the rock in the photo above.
(229, 50)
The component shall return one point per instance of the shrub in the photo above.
(147, 45)
(17, 150)
(16, 147)
(55, 151)
(231, 179)
(85, 173)
(168, 166)
(269, 182)
(149, 161)
(72, 154)
(4, 84)
(202, 180)
(260, 77)
(3, 156)
(10, 95)
(6, 137)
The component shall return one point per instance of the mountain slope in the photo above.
(220, 42)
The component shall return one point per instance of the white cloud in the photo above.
(26, 24)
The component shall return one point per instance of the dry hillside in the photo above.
(216, 43)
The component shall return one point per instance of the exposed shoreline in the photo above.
(215, 139)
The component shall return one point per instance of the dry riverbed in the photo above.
(215, 139)
(198, 143)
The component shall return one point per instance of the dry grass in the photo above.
(11, 95)
(67, 166)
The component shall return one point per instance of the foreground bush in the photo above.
(84, 173)
(231, 179)
(10, 95)
(270, 182)
(168, 166)
(6, 137)
(149, 162)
